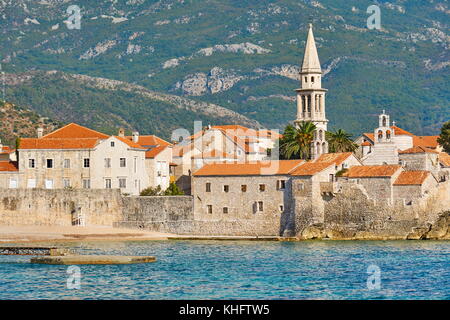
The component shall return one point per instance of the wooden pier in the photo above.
(93, 259)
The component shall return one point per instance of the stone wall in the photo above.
(59, 207)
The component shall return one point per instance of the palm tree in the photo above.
(340, 141)
(296, 141)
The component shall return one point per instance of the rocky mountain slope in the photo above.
(106, 105)
(244, 55)
(17, 121)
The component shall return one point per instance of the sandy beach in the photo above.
(9, 234)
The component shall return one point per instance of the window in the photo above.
(66, 163)
(49, 163)
(208, 187)
(306, 79)
(331, 177)
(135, 164)
(31, 183)
(226, 188)
(48, 184)
(281, 208)
(260, 206)
(107, 162)
(112, 144)
(281, 184)
(123, 162)
(262, 187)
(244, 188)
(13, 183)
(301, 187)
(31, 163)
(312, 79)
(225, 210)
(86, 163)
(66, 183)
(122, 183)
(86, 184)
(209, 208)
(108, 183)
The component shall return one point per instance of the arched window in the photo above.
(380, 135)
(312, 79)
(324, 148)
(384, 121)
(388, 135)
(320, 135)
(306, 79)
(318, 149)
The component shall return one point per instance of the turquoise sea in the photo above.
(242, 270)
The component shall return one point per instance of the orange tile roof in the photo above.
(411, 178)
(399, 131)
(73, 130)
(242, 131)
(336, 158)
(150, 140)
(370, 136)
(152, 153)
(444, 159)
(426, 141)
(130, 143)
(281, 167)
(417, 150)
(311, 168)
(8, 166)
(68, 143)
(372, 171)
(366, 144)
(214, 154)
(6, 150)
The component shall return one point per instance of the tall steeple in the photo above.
(311, 96)
(311, 62)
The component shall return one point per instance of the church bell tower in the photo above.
(311, 97)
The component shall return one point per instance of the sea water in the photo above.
(241, 270)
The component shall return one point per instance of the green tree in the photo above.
(173, 190)
(444, 137)
(296, 141)
(340, 141)
(149, 192)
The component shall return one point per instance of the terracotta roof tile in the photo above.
(73, 130)
(152, 153)
(411, 178)
(399, 131)
(130, 143)
(426, 141)
(372, 171)
(311, 168)
(444, 159)
(150, 140)
(417, 150)
(277, 167)
(336, 158)
(8, 166)
(34, 143)
(370, 136)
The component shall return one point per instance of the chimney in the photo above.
(121, 132)
(135, 137)
(40, 132)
